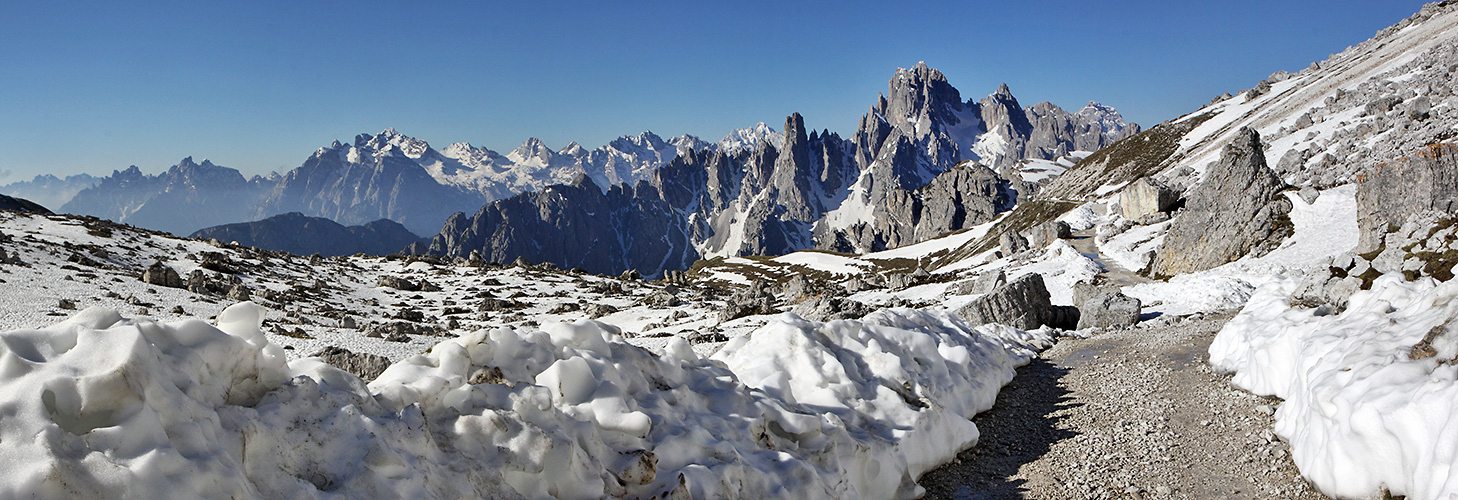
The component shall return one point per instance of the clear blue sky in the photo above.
(257, 86)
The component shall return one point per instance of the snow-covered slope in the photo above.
(1374, 102)
(501, 384)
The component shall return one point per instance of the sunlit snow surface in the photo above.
(104, 406)
(1359, 412)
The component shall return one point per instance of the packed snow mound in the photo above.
(103, 406)
(1360, 412)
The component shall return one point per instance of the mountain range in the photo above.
(756, 191)
(923, 162)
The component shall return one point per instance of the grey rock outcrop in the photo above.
(1046, 233)
(983, 283)
(1024, 303)
(1237, 210)
(1011, 243)
(829, 308)
(1389, 195)
(751, 300)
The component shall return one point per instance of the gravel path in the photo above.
(1133, 413)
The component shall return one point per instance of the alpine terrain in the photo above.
(965, 298)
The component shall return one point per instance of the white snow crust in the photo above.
(1359, 412)
(100, 405)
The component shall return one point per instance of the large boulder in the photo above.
(1147, 196)
(1046, 233)
(828, 308)
(983, 283)
(1237, 210)
(757, 298)
(1012, 243)
(1023, 303)
(1390, 194)
(1109, 309)
(162, 275)
(366, 366)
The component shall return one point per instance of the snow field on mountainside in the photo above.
(102, 405)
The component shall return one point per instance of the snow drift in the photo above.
(1360, 413)
(104, 406)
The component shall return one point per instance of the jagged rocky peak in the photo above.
(688, 142)
(921, 93)
(647, 139)
(1001, 110)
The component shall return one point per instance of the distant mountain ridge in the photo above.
(187, 196)
(299, 234)
(386, 175)
(49, 190)
(772, 191)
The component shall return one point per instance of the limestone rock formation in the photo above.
(1237, 210)
(1388, 195)
(162, 275)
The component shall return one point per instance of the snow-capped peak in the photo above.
(748, 138)
(1108, 118)
(573, 149)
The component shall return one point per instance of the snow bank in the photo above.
(1360, 413)
(102, 406)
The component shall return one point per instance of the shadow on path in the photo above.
(1020, 428)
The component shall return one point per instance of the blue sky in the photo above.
(257, 86)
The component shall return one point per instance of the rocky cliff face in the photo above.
(760, 202)
(302, 235)
(920, 130)
(186, 197)
(574, 225)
